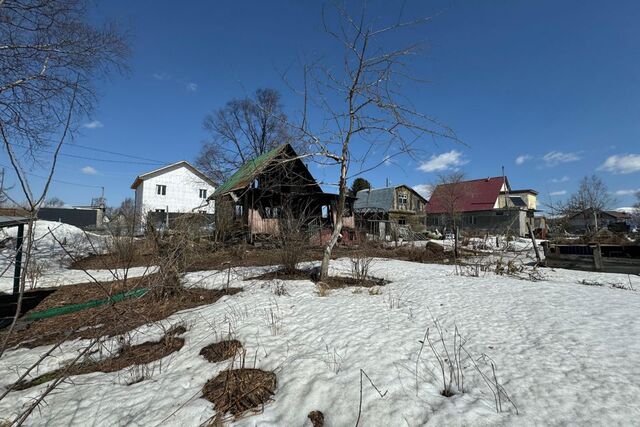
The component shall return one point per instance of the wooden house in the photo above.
(382, 210)
(256, 198)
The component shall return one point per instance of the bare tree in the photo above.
(54, 202)
(635, 215)
(241, 131)
(450, 192)
(49, 58)
(591, 198)
(122, 219)
(363, 104)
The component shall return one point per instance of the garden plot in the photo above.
(563, 352)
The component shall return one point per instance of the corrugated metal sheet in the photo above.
(378, 198)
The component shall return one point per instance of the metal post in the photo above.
(18, 265)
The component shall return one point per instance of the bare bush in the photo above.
(279, 289)
(333, 359)
(273, 318)
(175, 250)
(360, 265)
(292, 237)
(451, 360)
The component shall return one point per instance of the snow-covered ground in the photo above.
(50, 260)
(568, 354)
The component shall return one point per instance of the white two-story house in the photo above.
(176, 188)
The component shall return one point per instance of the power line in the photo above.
(57, 180)
(75, 156)
(115, 153)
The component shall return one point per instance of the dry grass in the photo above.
(296, 274)
(127, 356)
(317, 418)
(109, 319)
(237, 391)
(219, 351)
(337, 282)
(220, 258)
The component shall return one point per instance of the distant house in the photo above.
(399, 205)
(173, 189)
(595, 219)
(488, 205)
(254, 200)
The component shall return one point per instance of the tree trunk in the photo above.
(337, 228)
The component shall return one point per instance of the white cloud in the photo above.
(161, 76)
(192, 87)
(563, 179)
(558, 193)
(622, 164)
(628, 192)
(88, 170)
(444, 161)
(553, 158)
(95, 124)
(424, 190)
(522, 158)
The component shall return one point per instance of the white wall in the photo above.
(182, 193)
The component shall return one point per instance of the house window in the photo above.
(203, 193)
(402, 200)
(325, 212)
(161, 190)
(160, 210)
(402, 221)
(238, 211)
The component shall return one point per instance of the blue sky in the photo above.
(550, 90)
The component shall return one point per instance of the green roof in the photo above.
(245, 174)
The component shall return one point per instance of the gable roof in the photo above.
(377, 198)
(472, 196)
(168, 168)
(380, 198)
(243, 177)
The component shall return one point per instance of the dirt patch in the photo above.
(140, 354)
(337, 282)
(240, 390)
(219, 351)
(332, 282)
(284, 275)
(317, 418)
(140, 255)
(109, 319)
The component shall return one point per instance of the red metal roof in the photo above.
(466, 196)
